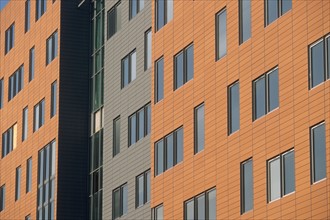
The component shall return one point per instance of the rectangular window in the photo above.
(16, 82)
(9, 38)
(199, 128)
(169, 151)
(51, 48)
(114, 20)
(183, 66)
(97, 90)
(265, 93)
(275, 9)
(233, 108)
(159, 79)
(244, 20)
(28, 217)
(128, 69)
(221, 34)
(281, 175)
(135, 6)
(246, 186)
(2, 197)
(116, 136)
(18, 183)
(142, 189)
(1, 93)
(158, 212)
(39, 115)
(138, 124)
(318, 152)
(53, 105)
(25, 124)
(9, 140)
(28, 174)
(319, 61)
(41, 6)
(202, 206)
(27, 15)
(119, 201)
(31, 64)
(147, 49)
(97, 120)
(46, 182)
(164, 12)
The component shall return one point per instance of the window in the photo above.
(147, 49)
(275, 9)
(135, 6)
(46, 182)
(119, 201)
(39, 115)
(281, 175)
(319, 61)
(246, 186)
(41, 6)
(9, 140)
(28, 217)
(169, 151)
(128, 69)
(244, 20)
(265, 93)
(318, 153)
(1, 93)
(159, 80)
(9, 38)
(116, 136)
(27, 15)
(142, 189)
(158, 212)
(53, 105)
(164, 12)
(139, 124)
(51, 48)
(28, 174)
(199, 128)
(202, 206)
(183, 66)
(221, 34)
(97, 90)
(2, 197)
(233, 108)
(97, 121)
(16, 82)
(25, 124)
(114, 19)
(31, 64)
(18, 183)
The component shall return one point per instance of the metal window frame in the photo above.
(229, 109)
(242, 180)
(113, 8)
(196, 127)
(312, 164)
(149, 31)
(156, 86)
(217, 37)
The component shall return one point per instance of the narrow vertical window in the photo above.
(132, 130)
(159, 160)
(318, 152)
(158, 212)
(39, 115)
(274, 170)
(169, 151)
(28, 174)
(179, 145)
(2, 197)
(53, 105)
(16, 82)
(25, 124)
(317, 67)
(246, 186)
(9, 140)
(199, 128)
(233, 108)
(18, 183)
(114, 20)
(1, 93)
(159, 80)
(221, 34)
(141, 124)
(244, 20)
(41, 6)
(27, 15)
(116, 136)
(147, 49)
(9, 38)
(128, 69)
(164, 12)
(142, 189)
(148, 113)
(31, 64)
(135, 6)
(51, 48)
(119, 201)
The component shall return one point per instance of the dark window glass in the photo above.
(221, 34)
(53, 105)
(272, 10)
(132, 125)
(2, 197)
(29, 175)
(27, 15)
(116, 204)
(9, 38)
(260, 97)
(141, 125)
(328, 55)
(114, 19)
(148, 186)
(286, 5)
(159, 157)
(1, 93)
(39, 115)
(142, 189)
(318, 150)
(9, 140)
(25, 124)
(160, 13)
(18, 183)
(273, 90)
(199, 128)
(148, 109)
(116, 136)
(189, 212)
(317, 64)
(125, 66)
(169, 151)
(159, 79)
(244, 20)
(135, 6)
(16, 82)
(190, 62)
(289, 172)
(51, 48)
(41, 6)
(184, 66)
(179, 145)
(233, 110)
(28, 217)
(178, 70)
(128, 68)
(31, 64)
(246, 186)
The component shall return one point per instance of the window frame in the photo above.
(25, 122)
(28, 175)
(16, 83)
(242, 188)
(138, 8)
(18, 178)
(165, 18)
(229, 107)
(41, 115)
(217, 36)
(31, 63)
(2, 197)
(27, 23)
(130, 72)
(196, 147)
(154, 212)
(52, 46)
(53, 102)
(147, 50)
(117, 27)
(10, 38)
(240, 22)
(279, 11)
(121, 189)
(145, 200)
(158, 97)
(116, 142)
(185, 79)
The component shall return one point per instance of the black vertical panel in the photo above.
(73, 85)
